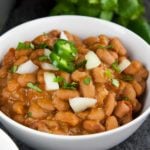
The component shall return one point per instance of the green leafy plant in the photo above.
(129, 13)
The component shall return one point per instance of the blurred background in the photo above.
(133, 14)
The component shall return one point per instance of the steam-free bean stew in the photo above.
(61, 84)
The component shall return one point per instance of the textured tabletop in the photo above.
(24, 11)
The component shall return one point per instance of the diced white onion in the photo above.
(47, 66)
(27, 67)
(63, 36)
(47, 52)
(115, 82)
(124, 64)
(92, 60)
(50, 84)
(79, 104)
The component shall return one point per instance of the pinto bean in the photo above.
(105, 56)
(36, 111)
(111, 123)
(40, 39)
(3, 72)
(5, 93)
(87, 90)
(67, 117)
(65, 75)
(82, 49)
(60, 105)
(65, 94)
(40, 76)
(109, 104)
(77, 41)
(118, 46)
(99, 75)
(103, 40)
(43, 128)
(90, 40)
(127, 118)
(46, 104)
(35, 54)
(83, 115)
(141, 74)
(51, 41)
(77, 75)
(133, 68)
(136, 105)
(121, 87)
(12, 85)
(54, 33)
(21, 53)
(18, 108)
(21, 60)
(137, 87)
(52, 124)
(9, 58)
(129, 91)
(93, 126)
(96, 114)
(102, 92)
(114, 54)
(26, 78)
(121, 109)
(69, 36)
(19, 118)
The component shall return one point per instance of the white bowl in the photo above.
(6, 142)
(82, 26)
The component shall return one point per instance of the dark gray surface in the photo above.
(31, 9)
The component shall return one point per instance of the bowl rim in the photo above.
(76, 137)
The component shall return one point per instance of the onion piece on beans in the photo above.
(50, 84)
(47, 66)
(27, 67)
(47, 52)
(79, 104)
(92, 59)
(124, 64)
(63, 36)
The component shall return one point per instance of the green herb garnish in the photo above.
(108, 73)
(125, 98)
(34, 87)
(43, 58)
(127, 78)
(71, 86)
(59, 79)
(106, 47)
(115, 66)
(42, 46)
(29, 114)
(22, 45)
(13, 69)
(87, 80)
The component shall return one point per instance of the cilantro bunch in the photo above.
(129, 13)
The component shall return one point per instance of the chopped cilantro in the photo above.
(22, 45)
(13, 69)
(115, 66)
(108, 73)
(71, 86)
(34, 87)
(87, 80)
